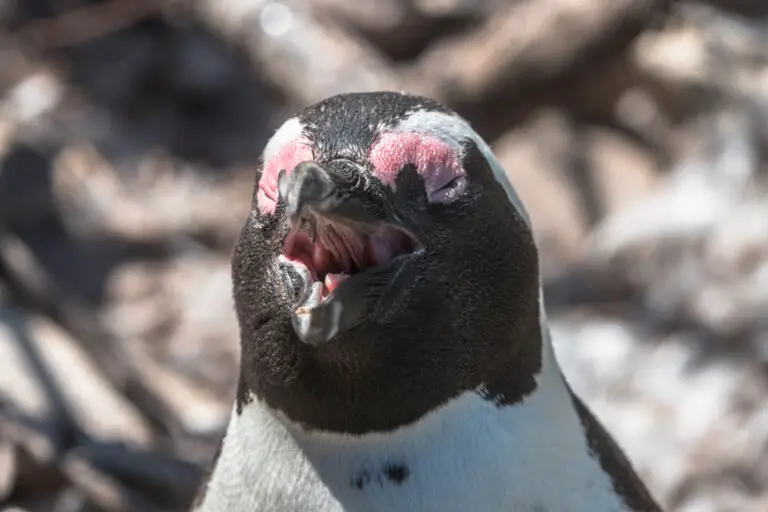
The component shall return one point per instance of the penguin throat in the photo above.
(335, 251)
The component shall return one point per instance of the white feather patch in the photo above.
(289, 131)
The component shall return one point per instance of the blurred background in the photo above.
(635, 131)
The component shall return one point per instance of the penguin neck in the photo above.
(537, 451)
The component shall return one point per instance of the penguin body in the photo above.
(395, 354)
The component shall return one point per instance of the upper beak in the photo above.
(309, 187)
(328, 190)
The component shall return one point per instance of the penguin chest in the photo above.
(469, 455)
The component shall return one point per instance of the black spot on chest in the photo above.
(361, 479)
(388, 474)
(397, 473)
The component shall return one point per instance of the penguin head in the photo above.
(386, 267)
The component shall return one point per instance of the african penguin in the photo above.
(395, 350)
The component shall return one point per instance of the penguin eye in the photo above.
(439, 163)
(451, 185)
(450, 191)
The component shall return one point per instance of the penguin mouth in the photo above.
(340, 271)
(334, 252)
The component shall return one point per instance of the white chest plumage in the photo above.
(468, 455)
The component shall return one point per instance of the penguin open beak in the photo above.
(347, 245)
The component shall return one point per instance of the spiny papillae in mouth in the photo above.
(332, 252)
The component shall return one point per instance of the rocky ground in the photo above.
(635, 131)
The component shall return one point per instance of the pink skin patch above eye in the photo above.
(288, 157)
(438, 163)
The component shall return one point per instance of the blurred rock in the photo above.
(32, 97)
(184, 314)
(309, 58)
(698, 430)
(46, 374)
(575, 168)
(521, 44)
(7, 468)
(162, 203)
(623, 172)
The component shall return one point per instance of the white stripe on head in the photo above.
(290, 131)
(287, 148)
(453, 130)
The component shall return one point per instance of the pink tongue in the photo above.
(332, 281)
